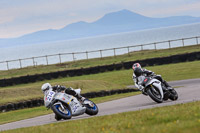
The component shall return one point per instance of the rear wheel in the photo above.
(173, 95)
(154, 93)
(91, 107)
(62, 111)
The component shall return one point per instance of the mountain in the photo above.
(115, 22)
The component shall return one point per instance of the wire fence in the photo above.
(67, 57)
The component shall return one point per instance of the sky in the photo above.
(20, 17)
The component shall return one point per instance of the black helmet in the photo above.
(138, 71)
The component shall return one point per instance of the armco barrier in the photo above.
(40, 102)
(99, 69)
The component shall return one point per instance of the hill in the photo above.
(115, 22)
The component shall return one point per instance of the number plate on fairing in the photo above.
(50, 96)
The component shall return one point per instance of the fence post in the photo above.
(128, 51)
(7, 65)
(114, 52)
(73, 56)
(59, 57)
(155, 46)
(100, 53)
(169, 45)
(86, 54)
(183, 42)
(20, 63)
(197, 40)
(47, 60)
(141, 47)
(33, 62)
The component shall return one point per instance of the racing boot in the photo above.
(143, 92)
(57, 117)
(167, 85)
(79, 97)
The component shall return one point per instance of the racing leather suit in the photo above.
(69, 91)
(147, 73)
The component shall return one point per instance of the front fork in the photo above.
(62, 107)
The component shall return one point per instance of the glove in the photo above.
(152, 74)
(140, 87)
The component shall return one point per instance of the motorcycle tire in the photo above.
(173, 95)
(64, 114)
(91, 110)
(153, 96)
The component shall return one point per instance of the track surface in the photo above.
(188, 90)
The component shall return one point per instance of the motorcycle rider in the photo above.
(47, 86)
(138, 71)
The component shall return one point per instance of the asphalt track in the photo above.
(188, 90)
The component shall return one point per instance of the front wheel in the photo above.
(173, 95)
(91, 107)
(62, 111)
(154, 93)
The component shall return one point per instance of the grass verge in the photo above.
(139, 55)
(181, 118)
(101, 81)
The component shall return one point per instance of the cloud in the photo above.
(18, 17)
(191, 9)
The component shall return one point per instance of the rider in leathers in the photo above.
(145, 73)
(45, 87)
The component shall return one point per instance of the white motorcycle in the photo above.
(65, 106)
(156, 89)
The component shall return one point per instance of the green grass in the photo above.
(102, 81)
(38, 111)
(181, 118)
(98, 61)
(23, 114)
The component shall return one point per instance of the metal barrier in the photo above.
(61, 57)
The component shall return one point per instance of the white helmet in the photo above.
(45, 87)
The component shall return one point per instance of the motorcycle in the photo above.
(156, 89)
(65, 106)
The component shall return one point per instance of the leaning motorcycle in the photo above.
(65, 106)
(157, 90)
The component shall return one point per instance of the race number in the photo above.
(50, 96)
